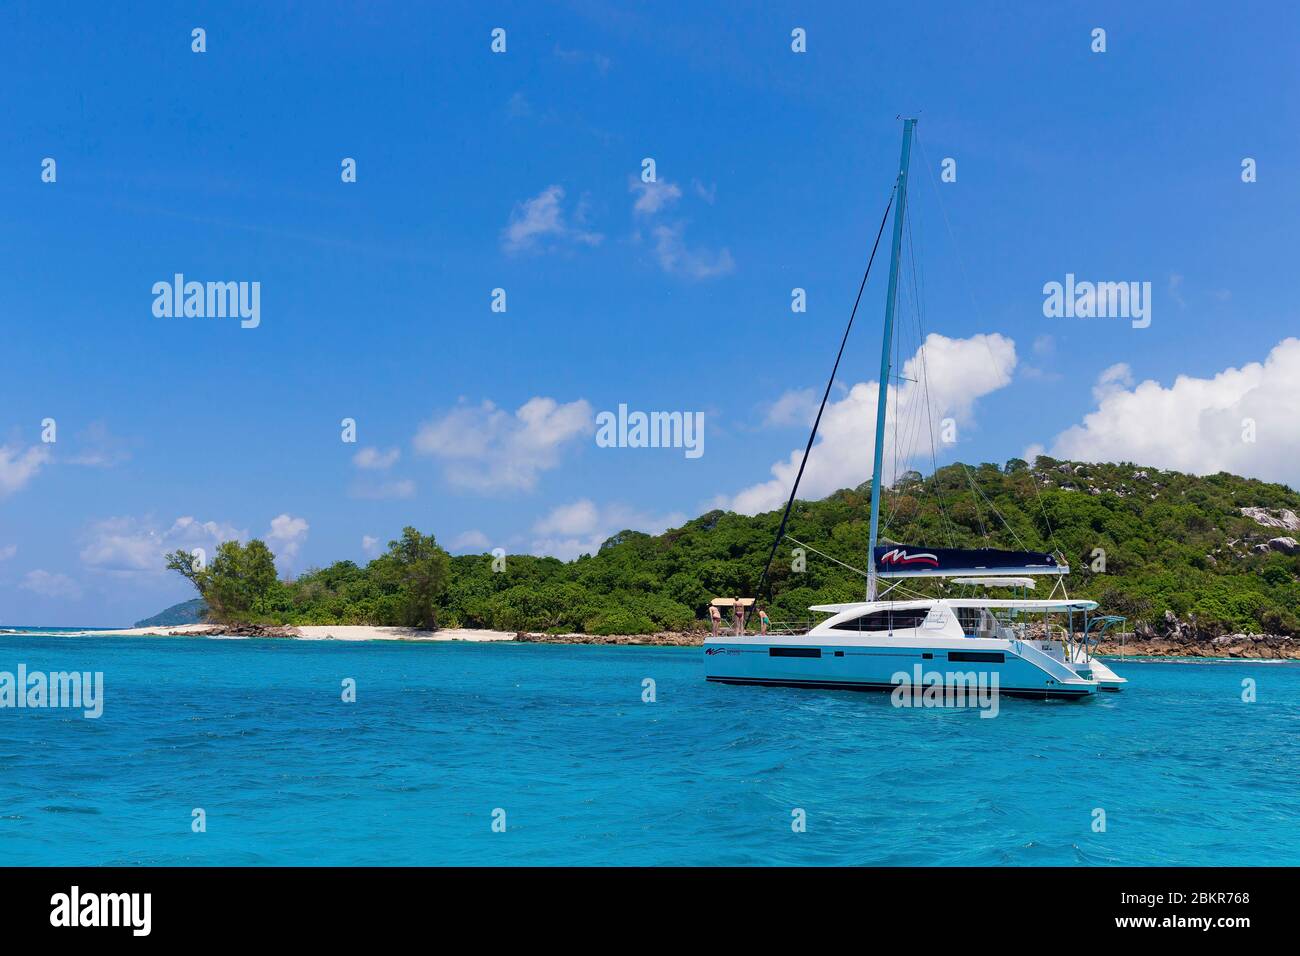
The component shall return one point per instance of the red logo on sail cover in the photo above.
(899, 556)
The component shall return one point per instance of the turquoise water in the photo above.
(441, 735)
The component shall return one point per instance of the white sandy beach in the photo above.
(313, 632)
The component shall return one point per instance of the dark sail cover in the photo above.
(905, 560)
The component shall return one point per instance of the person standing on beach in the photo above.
(716, 617)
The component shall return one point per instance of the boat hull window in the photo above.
(794, 652)
(981, 657)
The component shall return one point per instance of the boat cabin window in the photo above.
(977, 622)
(969, 618)
(887, 620)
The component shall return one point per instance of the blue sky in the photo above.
(521, 171)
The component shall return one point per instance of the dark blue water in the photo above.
(441, 735)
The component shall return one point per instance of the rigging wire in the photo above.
(952, 236)
(762, 581)
(1033, 480)
(992, 507)
(935, 488)
(827, 556)
(961, 262)
(919, 413)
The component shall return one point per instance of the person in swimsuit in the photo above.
(740, 617)
(763, 622)
(716, 617)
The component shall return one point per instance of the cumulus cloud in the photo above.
(133, 545)
(959, 372)
(581, 527)
(373, 458)
(485, 448)
(579, 517)
(19, 466)
(370, 544)
(472, 541)
(1198, 425)
(652, 197)
(676, 258)
(540, 223)
(668, 239)
(51, 585)
(795, 407)
(285, 539)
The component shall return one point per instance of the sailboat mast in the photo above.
(882, 397)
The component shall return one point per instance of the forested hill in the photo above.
(1171, 543)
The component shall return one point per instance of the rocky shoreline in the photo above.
(659, 639)
(239, 630)
(1245, 646)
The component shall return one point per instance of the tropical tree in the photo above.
(418, 570)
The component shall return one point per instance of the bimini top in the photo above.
(911, 561)
(1059, 606)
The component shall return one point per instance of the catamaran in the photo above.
(1019, 646)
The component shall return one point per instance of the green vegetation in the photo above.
(193, 611)
(1172, 542)
(405, 586)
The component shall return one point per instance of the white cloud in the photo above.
(959, 371)
(670, 249)
(373, 458)
(795, 407)
(1115, 378)
(1197, 424)
(472, 541)
(18, 467)
(580, 517)
(537, 222)
(581, 527)
(369, 544)
(286, 537)
(652, 197)
(485, 448)
(51, 585)
(676, 258)
(8, 551)
(128, 544)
